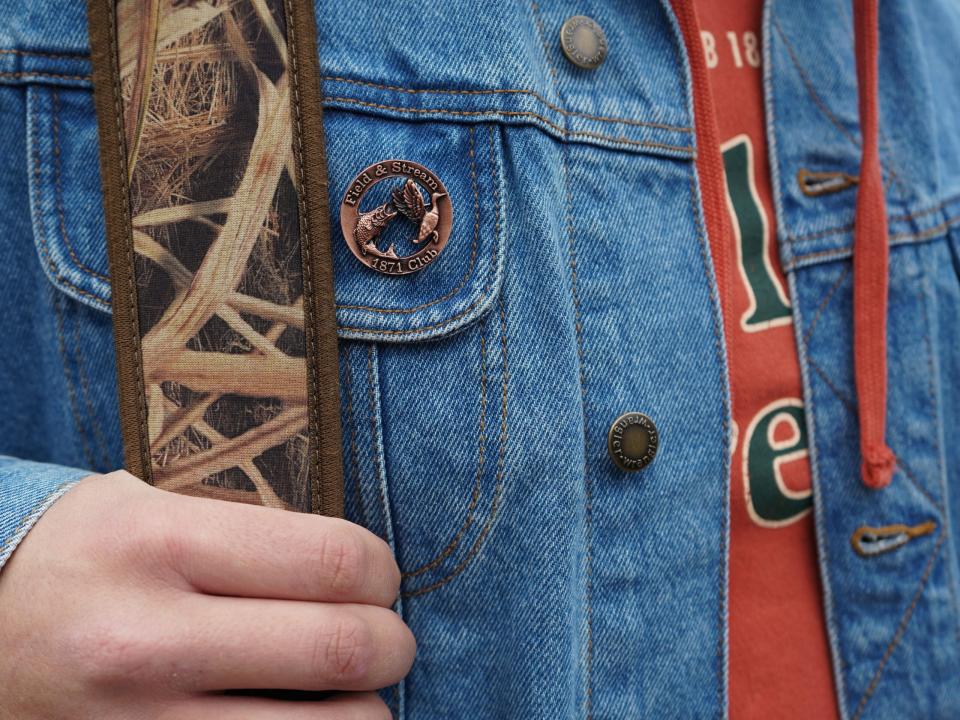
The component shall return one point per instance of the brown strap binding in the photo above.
(214, 176)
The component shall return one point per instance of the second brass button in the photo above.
(633, 441)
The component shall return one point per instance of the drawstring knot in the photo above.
(879, 462)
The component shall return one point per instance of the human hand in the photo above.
(129, 603)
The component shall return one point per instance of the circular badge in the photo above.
(396, 202)
(633, 441)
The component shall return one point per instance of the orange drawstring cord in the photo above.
(870, 262)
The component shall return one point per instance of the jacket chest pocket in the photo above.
(423, 356)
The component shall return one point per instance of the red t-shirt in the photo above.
(779, 657)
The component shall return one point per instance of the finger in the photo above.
(236, 643)
(226, 548)
(352, 706)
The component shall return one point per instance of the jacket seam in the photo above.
(478, 481)
(927, 234)
(825, 109)
(41, 74)
(578, 331)
(721, 355)
(480, 541)
(41, 229)
(808, 333)
(514, 113)
(902, 466)
(99, 438)
(513, 91)
(40, 53)
(902, 217)
(58, 183)
(352, 438)
(933, 375)
(317, 482)
(71, 384)
(373, 374)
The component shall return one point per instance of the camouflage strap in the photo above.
(213, 166)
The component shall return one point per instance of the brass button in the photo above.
(583, 42)
(632, 441)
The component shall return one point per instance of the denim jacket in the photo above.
(540, 580)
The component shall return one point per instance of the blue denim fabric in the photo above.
(28, 489)
(894, 619)
(540, 580)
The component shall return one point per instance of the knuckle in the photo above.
(161, 543)
(345, 653)
(147, 539)
(112, 655)
(341, 563)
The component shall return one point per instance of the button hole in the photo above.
(870, 541)
(814, 184)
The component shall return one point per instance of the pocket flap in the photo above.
(447, 295)
(462, 282)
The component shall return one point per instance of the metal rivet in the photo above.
(583, 42)
(633, 441)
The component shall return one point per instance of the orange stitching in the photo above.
(851, 408)
(905, 533)
(901, 630)
(893, 218)
(101, 442)
(929, 232)
(531, 93)
(354, 454)
(538, 22)
(571, 258)
(935, 411)
(507, 113)
(475, 497)
(498, 486)
(55, 131)
(71, 390)
(473, 250)
(907, 235)
(910, 475)
(37, 53)
(501, 472)
(38, 217)
(818, 101)
(819, 234)
(58, 76)
(815, 184)
(824, 303)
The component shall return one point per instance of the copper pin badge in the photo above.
(412, 195)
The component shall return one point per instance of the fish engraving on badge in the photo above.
(416, 197)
